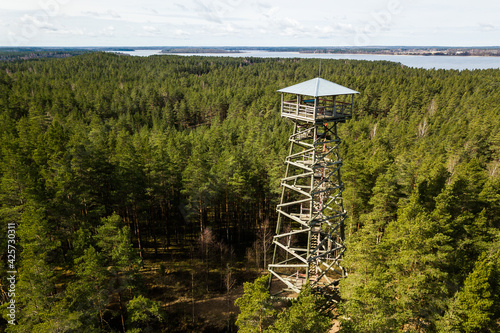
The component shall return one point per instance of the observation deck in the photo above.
(317, 101)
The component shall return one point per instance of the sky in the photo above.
(249, 23)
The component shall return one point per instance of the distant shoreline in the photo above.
(457, 53)
(413, 51)
(198, 50)
(369, 50)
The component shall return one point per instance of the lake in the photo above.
(427, 62)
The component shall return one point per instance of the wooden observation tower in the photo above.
(308, 245)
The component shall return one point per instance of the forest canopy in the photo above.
(109, 161)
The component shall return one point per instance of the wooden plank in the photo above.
(307, 151)
(290, 285)
(296, 219)
(295, 177)
(294, 202)
(307, 174)
(291, 252)
(298, 190)
(298, 165)
(295, 232)
(289, 265)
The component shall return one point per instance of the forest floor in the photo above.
(194, 295)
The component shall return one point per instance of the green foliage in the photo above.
(476, 302)
(86, 296)
(143, 314)
(114, 242)
(38, 297)
(103, 273)
(475, 307)
(304, 315)
(256, 310)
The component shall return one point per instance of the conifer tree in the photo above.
(304, 315)
(475, 307)
(256, 311)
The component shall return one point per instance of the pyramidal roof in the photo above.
(318, 87)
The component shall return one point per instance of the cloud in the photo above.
(181, 6)
(487, 27)
(113, 14)
(286, 26)
(337, 28)
(225, 30)
(217, 11)
(104, 32)
(67, 31)
(107, 14)
(152, 10)
(179, 33)
(267, 11)
(91, 13)
(107, 31)
(39, 21)
(207, 11)
(263, 5)
(149, 30)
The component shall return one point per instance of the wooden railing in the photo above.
(297, 110)
(340, 110)
(307, 112)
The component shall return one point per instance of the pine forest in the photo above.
(143, 194)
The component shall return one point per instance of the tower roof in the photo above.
(318, 87)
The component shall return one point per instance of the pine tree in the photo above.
(475, 308)
(38, 296)
(144, 315)
(304, 315)
(256, 311)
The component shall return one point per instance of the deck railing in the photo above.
(340, 110)
(297, 110)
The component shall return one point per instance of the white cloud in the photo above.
(152, 10)
(149, 30)
(181, 33)
(225, 29)
(291, 27)
(487, 27)
(39, 21)
(107, 31)
(220, 11)
(74, 32)
(106, 14)
(181, 6)
(334, 29)
(269, 12)
(207, 11)
(113, 14)
(286, 26)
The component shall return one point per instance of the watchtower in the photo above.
(308, 245)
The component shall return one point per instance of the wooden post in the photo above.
(298, 104)
(282, 104)
(334, 111)
(315, 111)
